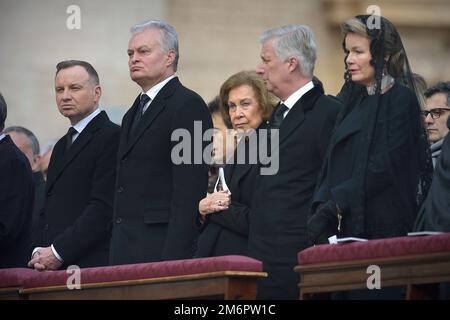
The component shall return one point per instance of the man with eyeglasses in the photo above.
(436, 113)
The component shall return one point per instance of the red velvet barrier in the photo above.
(27, 278)
(372, 249)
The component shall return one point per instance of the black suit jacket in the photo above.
(282, 201)
(16, 205)
(39, 197)
(156, 200)
(226, 232)
(77, 212)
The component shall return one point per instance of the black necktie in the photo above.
(69, 137)
(278, 116)
(139, 112)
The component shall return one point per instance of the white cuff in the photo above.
(56, 254)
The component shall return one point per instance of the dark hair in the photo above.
(3, 112)
(93, 75)
(440, 87)
(252, 79)
(34, 143)
(214, 108)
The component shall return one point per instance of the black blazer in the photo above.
(16, 205)
(39, 197)
(77, 212)
(226, 232)
(156, 200)
(282, 201)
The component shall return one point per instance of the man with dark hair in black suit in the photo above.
(16, 200)
(156, 194)
(76, 217)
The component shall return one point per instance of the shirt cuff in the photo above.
(56, 254)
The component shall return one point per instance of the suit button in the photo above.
(120, 189)
(49, 194)
(118, 220)
(46, 227)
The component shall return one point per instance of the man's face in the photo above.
(23, 143)
(272, 70)
(147, 62)
(76, 95)
(437, 128)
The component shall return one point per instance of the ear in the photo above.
(292, 64)
(171, 54)
(98, 92)
(36, 163)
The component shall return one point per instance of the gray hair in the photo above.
(169, 36)
(34, 143)
(3, 112)
(294, 40)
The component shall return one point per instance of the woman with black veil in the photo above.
(378, 166)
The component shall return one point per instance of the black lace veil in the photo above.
(385, 42)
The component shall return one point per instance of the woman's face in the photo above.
(358, 59)
(244, 109)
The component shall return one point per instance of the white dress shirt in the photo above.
(153, 91)
(83, 123)
(293, 98)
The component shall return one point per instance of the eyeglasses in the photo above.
(435, 113)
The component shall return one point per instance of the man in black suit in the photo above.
(16, 200)
(76, 217)
(27, 142)
(157, 196)
(305, 118)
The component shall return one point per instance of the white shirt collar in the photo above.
(2, 136)
(153, 91)
(83, 123)
(293, 98)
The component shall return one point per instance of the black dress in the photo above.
(226, 232)
(376, 193)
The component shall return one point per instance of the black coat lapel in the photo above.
(63, 159)
(346, 129)
(126, 124)
(296, 115)
(156, 106)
